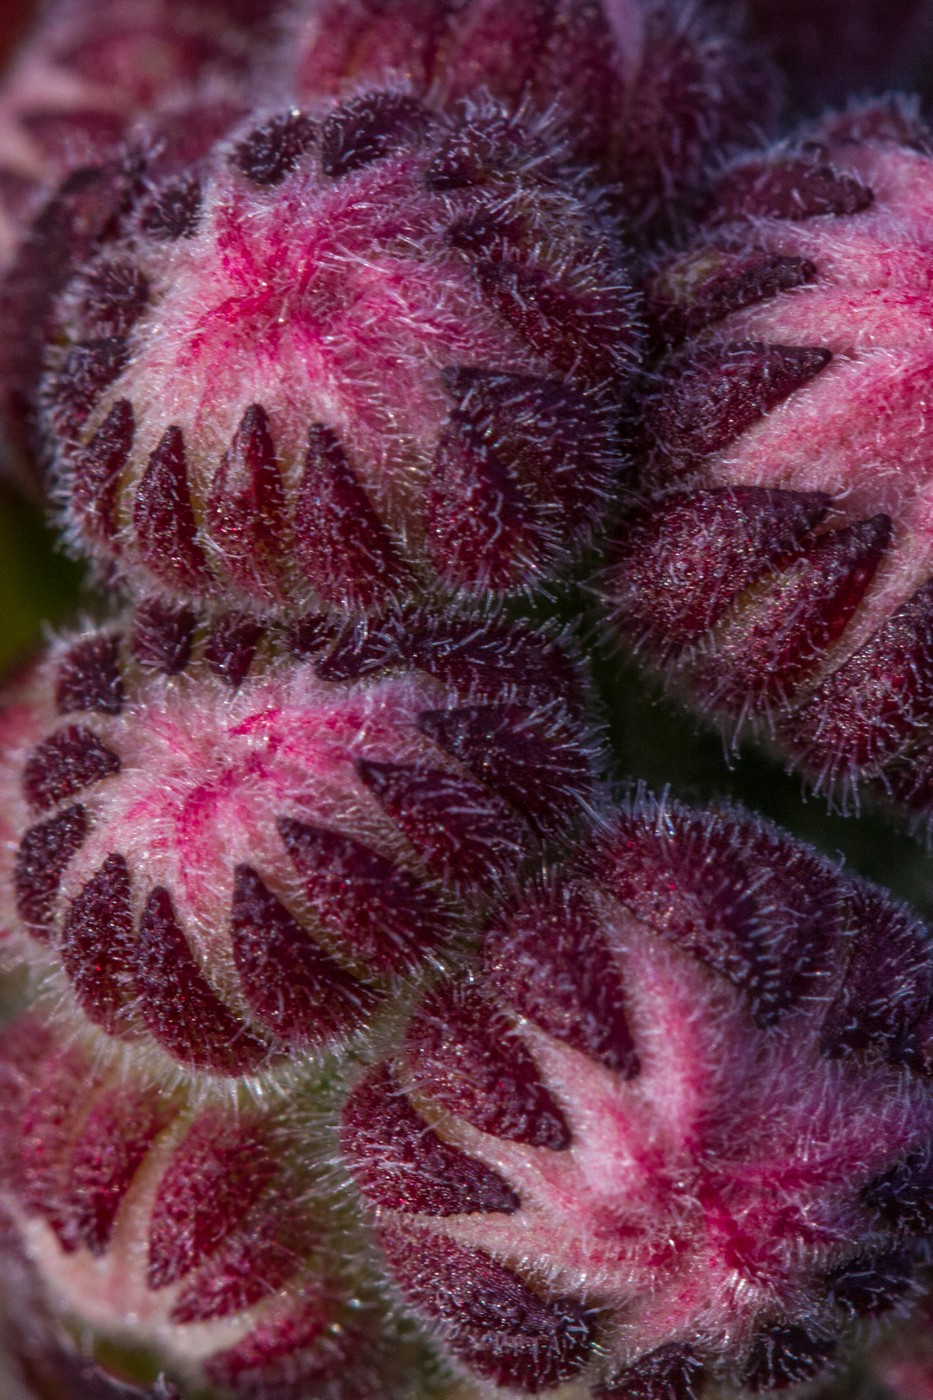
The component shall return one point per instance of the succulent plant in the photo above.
(677, 1131)
(236, 869)
(781, 567)
(377, 352)
(353, 1043)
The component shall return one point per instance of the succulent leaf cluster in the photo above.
(573, 1132)
(365, 1033)
(786, 445)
